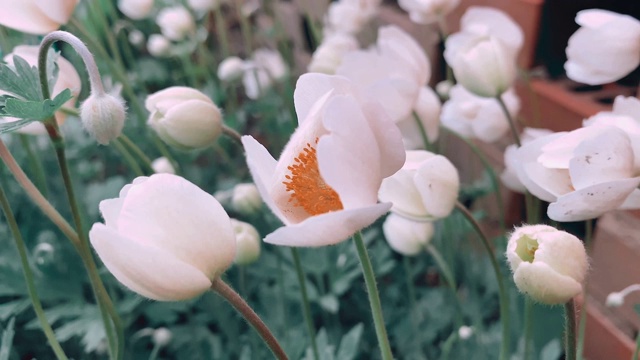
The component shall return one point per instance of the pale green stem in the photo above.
(144, 159)
(234, 135)
(374, 297)
(117, 143)
(250, 316)
(449, 277)
(155, 351)
(512, 124)
(528, 326)
(107, 309)
(411, 289)
(570, 330)
(111, 40)
(34, 163)
(423, 132)
(582, 325)
(306, 308)
(502, 293)
(28, 277)
(221, 32)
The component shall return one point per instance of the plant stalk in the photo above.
(570, 330)
(306, 308)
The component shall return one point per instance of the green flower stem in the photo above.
(306, 308)
(96, 8)
(252, 318)
(582, 324)
(374, 297)
(423, 132)
(449, 277)
(28, 277)
(528, 326)
(221, 32)
(34, 163)
(411, 289)
(502, 293)
(512, 124)
(495, 183)
(144, 159)
(36, 196)
(117, 143)
(232, 134)
(107, 309)
(570, 330)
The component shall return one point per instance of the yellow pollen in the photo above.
(308, 189)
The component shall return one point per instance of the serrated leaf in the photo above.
(13, 308)
(14, 125)
(348, 349)
(7, 340)
(35, 110)
(21, 80)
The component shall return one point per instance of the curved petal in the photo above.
(400, 190)
(605, 157)
(592, 201)
(491, 21)
(147, 270)
(58, 10)
(26, 16)
(175, 215)
(405, 236)
(438, 183)
(311, 87)
(328, 228)
(110, 210)
(544, 284)
(388, 137)
(349, 156)
(632, 201)
(192, 123)
(428, 107)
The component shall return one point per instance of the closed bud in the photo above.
(231, 69)
(135, 9)
(246, 199)
(184, 117)
(136, 37)
(176, 23)
(405, 236)
(465, 332)
(162, 165)
(158, 45)
(162, 336)
(615, 299)
(103, 116)
(247, 242)
(443, 88)
(549, 265)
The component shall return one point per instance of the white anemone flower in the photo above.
(604, 49)
(392, 72)
(509, 176)
(427, 11)
(583, 173)
(36, 16)
(325, 184)
(488, 21)
(164, 238)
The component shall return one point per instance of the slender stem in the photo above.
(221, 31)
(36, 196)
(512, 124)
(35, 164)
(232, 134)
(117, 143)
(502, 293)
(111, 40)
(306, 308)
(582, 324)
(28, 277)
(423, 132)
(411, 289)
(451, 279)
(528, 326)
(144, 159)
(245, 28)
(374, 297)
(155, 351)
(247, 312)
(570, 330)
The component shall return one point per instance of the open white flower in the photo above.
(328, 56)
(604, 49)
(426, 187)
(476, 117)
(427, 11)
(547, 264)
(509, 175)
(583, 173)
(36, 16)
(324, 186)
(489, 21)
(164, 238)
(392, 72)
(406, 236)
(427, 110)
(68, 78)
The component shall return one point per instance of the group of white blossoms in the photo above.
(167, 239)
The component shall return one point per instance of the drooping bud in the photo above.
(615, 299)
(246, 199)
(103, 116)
(405, 236)
(162, 336)
(247, 242)
(231, 69)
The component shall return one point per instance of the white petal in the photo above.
(110, 210)
(557, 153)
(632, 201)
(311, 87)
(544, 284)
(388, 137)
(26, 16)
(175, 215)
(147, 270)
(405, 236)
(438, 183)
(496, 22)
(594, 18)
(605, 157)
(592, 201)
(192, 123)
(427, 107)
(327, 229)
(349, 156)
(400, 190)
(57, 10)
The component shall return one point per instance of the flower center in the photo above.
(526, 248)
(308, 189)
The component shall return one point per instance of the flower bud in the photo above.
(175, 23)
(158, 45)
(103, 117)
(161, 336)
(184, 117)
(426, 187)
(465, 332)
(405, 236)
(203, 5)
(328, 56)
(482, 64)
(162, 165)
(247, 242)
(231, 69)
(135, 9)
(44, 254)
(246, 199)
(547, 264)
(443, 88)
(615, 299)
(136, 37)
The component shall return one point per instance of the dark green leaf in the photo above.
(7, 340)
(36, 110)
(349, 345)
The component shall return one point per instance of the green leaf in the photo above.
(7, 340)
(35, 110)
(551, 351)
(21, 80)
(348, 349)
